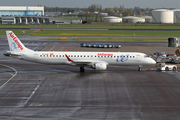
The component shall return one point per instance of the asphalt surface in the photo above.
(30, 91)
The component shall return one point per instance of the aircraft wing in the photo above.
(83, 62)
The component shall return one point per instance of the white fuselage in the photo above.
(112, 58)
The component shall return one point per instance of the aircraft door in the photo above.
(36, 56)
(138, 58)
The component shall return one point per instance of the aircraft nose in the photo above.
(153, 61)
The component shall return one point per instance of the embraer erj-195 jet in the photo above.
(95, 60)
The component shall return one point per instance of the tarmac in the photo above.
(31, 91)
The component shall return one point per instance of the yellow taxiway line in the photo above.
(13, 75)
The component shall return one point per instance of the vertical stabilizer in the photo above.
(15, 44)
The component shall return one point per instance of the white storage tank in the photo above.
(136, 20)
(112, 19)
(177, 16)
(163, 16)
(125, 19)
(148, 19)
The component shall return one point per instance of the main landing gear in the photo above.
(82, 69)
(140, 68)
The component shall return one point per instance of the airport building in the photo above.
(26, 15)
(21, 11)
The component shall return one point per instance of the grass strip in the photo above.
(110, 39)
(17, 32)
(100, 25)
(106, 33)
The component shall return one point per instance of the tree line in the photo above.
(116, 11)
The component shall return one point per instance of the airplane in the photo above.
(94, 60)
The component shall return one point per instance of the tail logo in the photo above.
(13, 46)
(16, 42)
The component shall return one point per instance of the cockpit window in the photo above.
(146, 56)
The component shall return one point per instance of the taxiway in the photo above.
(42, 92)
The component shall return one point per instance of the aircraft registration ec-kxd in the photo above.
(94, 60)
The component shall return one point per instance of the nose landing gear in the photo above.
(82, 69)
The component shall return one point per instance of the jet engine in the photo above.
(99, 66)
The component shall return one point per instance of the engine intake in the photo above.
(99, 66)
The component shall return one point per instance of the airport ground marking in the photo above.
(178, 72)
(127, 84)
(36, 105)
(138, 106)
(13, 75)
(52, 48)
(8, 73)
(31, 95)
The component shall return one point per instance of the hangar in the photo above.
(26, 15)
(21, 11)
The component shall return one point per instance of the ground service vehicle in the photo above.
(165, 67)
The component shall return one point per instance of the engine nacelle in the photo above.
(99, 66)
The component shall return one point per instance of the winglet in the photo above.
(68, 58)
(65, 50)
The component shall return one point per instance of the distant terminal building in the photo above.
(26, 15)
(21, 11)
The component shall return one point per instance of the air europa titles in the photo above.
(102, 54)
(16, 40)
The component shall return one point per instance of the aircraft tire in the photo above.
(82, 69)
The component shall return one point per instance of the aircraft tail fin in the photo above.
(15, 44)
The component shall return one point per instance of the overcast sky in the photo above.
(86, 3)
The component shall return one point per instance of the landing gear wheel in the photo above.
(82, 69)
(174, 68)
(166, 69)
(139, 69)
